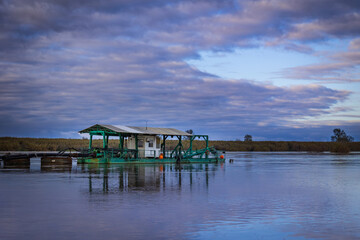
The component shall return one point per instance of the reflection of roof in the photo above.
(135, 130)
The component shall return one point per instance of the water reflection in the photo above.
(258, 196)
(16, 167)
(140, 177)
(16, 164)
(344, 162)
(57, 168)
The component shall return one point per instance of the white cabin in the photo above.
(148, 145)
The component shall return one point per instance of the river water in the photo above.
(257, 196)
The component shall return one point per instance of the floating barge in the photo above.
(146, 145)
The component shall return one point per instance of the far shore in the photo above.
(58, 144)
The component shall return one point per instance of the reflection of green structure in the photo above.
(105, 178)
(144, 145)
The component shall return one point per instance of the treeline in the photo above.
(275, 146)
(57, 144)
(48, 144)
(286, 146)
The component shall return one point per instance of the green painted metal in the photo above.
(164, 140)
(124, 155)
(176, 150)
(136, 146)
(143, 160)
(180, 147)
(207, 147)
(104, 141)
(109, 133)
(121, 142)
(90, 142)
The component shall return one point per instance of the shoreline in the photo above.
(57, 144)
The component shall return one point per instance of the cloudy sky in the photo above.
(278, 70)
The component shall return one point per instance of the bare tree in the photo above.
(340, 136)
(190, 131)
(248, 138)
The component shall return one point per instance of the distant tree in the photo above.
(189, 131)
(248, 138)
(340, 136)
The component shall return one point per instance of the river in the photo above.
(257, 196)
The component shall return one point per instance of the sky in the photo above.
(277, 70)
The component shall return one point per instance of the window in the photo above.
(141, 143)
(151, 143)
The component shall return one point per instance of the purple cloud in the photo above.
(68, 64)
(340, 67)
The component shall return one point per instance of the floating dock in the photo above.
(136, 145)
(146, 145)
(64, 157)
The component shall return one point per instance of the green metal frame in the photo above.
(120, 155)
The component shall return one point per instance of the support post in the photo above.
(104, 140)
(180, 145)
(90, 142)
(136, 146)
(121, 142)
(190, 145)
(164, 139)
(207, 146)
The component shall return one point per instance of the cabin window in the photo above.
(151, 143)
(141, 143)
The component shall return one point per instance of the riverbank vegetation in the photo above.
(57, 144)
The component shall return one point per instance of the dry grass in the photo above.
(57, 144)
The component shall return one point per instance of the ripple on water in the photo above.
(258, 196)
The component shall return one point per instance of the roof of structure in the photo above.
(128, 130)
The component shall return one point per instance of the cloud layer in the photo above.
(65, 65)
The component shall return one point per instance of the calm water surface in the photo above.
(258, 196)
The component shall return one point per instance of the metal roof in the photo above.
(136, 130)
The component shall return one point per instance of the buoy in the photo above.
(161, 156)
(221, 156)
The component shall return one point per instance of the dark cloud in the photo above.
(341, 26)
(113, 90)
(203, 24)
(67, 64)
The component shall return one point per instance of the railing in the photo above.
(209, 152)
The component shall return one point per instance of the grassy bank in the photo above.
(57, 144)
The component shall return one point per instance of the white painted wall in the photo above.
(151, 145)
